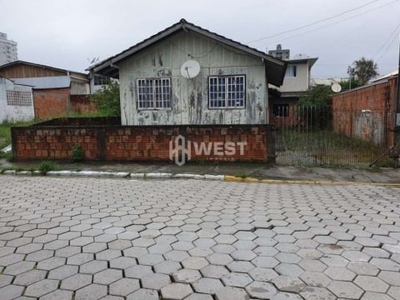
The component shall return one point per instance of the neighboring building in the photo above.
(188, 75)
(297, 81)
(16, 102)
(53, 89)
(8, 50)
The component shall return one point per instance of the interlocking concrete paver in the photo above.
(138, 271)
(236, 279)
(261, 290)
(30, 277)
(18, 268)
(59, 295)
(143, 294)
(155, 281)
(91, 292)
(107, 276)
(80, 259)
(371, 284)
(76, 282)
(176, 291)
(10, 292)
(316, 279)
(124, 286)
(240, 266)
(231, 293)
(315, 293)
(216, 240)
(345, 289)
(207, 285)
(289, 284)
(41, 288)
(186, 276)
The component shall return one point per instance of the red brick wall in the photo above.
(141, 143)
(50, 103)
(82, 104)
(348, 107)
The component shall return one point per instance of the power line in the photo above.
(392, 37)
(324, 20)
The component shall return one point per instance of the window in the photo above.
(100, 80)
(291, 71)
(154, 93)
(226, 91)
(281, 110)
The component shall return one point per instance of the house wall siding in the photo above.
(22, 111)
(22, 71)
(300, 83)
(190, 96)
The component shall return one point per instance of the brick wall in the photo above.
(82, 104)
(144, 143)
(366, 112)
(50, 103)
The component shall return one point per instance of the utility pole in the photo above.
(396, 129)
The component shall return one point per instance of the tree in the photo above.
(363, 70)
(317, 96)
(349, 84)
(313, 108)
(107, 99)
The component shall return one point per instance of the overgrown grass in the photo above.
(5, 131)
(333, 149)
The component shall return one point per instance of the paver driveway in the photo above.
(85, 238)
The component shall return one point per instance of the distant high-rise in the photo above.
(8, 50)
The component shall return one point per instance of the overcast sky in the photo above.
(68, 34)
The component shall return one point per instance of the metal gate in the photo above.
(312, 136)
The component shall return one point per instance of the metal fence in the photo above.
(317, 136)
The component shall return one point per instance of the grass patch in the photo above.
(328, 148)
(47, 166)
(5, 131)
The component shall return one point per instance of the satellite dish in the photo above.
(336, 87)
(190, 69)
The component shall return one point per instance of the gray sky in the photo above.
(67, 34)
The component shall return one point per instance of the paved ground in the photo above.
(88, 238)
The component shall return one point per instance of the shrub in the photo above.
(46, 166)
(77, 153)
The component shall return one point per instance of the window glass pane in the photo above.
(226, 91)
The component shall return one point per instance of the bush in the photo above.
(46, 166)
(77, 153)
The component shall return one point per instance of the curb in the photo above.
(159, 175)
(105, 174)
(309, 182)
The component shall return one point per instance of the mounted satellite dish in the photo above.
(190, 69)
(336, 87)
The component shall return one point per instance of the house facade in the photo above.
(188, 75)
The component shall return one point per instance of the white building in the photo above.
(8, 50)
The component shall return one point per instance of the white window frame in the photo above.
(227, 91)
(154, 93)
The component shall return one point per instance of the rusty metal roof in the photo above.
(275, 68)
